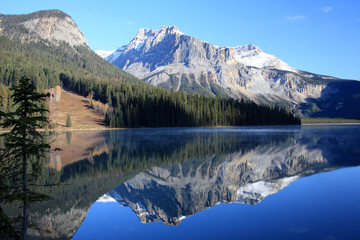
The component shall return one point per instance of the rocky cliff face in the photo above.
(171, 59)
(52, 26)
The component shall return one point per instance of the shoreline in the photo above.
(111, 129)
(307, 124)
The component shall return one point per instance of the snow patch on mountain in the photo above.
(104, 53)
(112, 57)
(251, 55)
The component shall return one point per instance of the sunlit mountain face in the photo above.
(171, 59)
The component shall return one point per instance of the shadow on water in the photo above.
(168, 174)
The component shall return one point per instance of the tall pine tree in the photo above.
(21, 159)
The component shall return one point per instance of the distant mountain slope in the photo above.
(46, 45)
(53, 26)
(103, 53)
(171, 59)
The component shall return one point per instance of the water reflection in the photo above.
(169, 174)
(261, 164)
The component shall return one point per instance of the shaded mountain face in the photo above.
(171, 59)
(53, 26)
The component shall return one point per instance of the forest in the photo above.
(146, 106)
(132, 102)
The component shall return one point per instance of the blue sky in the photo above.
(320, 36)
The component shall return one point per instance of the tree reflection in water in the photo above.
(168, 174)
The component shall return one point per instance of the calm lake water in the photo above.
(205, 183)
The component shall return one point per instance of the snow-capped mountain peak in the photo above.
(171, 59)
(251, 55)
(248, 55)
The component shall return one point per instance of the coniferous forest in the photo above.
(133, 103)
(146, 106)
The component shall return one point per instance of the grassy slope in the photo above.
(81, 113)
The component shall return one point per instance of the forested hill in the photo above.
(45, 44)
(48, 47)
(44, 63)
(135, 105)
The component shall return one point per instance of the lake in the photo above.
(284, 182)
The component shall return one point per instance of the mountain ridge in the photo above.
(170, 59)
(50, 61)
(47, 45)
(54, 26)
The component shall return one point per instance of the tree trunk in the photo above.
(25, 188)
(25, 199)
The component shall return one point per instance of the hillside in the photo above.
(83, 116)
(43, 45)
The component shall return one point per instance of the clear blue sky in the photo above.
(320, 36)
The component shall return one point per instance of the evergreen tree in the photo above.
(68, 121)
(21, 159)
(3, 98)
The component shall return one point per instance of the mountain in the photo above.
(52, 26)
(103, 53)
(171, 59)
(48, 46)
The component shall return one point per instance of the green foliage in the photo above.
(3, 98)
(44, 63)
(143, 106)
(146, 106)
(24, 150)
(53, 125)
(68, 121)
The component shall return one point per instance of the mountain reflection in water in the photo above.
(169, 174)
(268, 163)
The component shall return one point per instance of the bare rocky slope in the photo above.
(171, 59)
(53, 26)
(48, 47)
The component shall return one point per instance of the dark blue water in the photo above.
(322, 206)
(219, 183)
